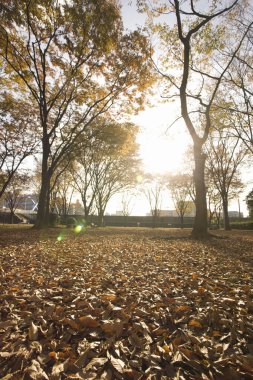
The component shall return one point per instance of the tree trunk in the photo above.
(12, 216)
(101, 219)
(154, 222)
(200, 227)
(218, 219)
(42, 220)
(182, 221)
(85, 209)
(225, 214)
(210, 218)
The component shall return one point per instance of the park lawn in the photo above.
(125, 303)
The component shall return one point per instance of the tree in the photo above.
(62, 193)
(224, 156)
(214, 205)
(153, 187)
(126, 202)
(249, 202)
(76, 63)
(116, 166)
(13, 196)
(111, 176)
(105, 163)
(83, 173)
(179, 186)
(238, 90)
(18, 138)
(195, 48)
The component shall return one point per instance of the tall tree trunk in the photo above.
(210, 218)
(85, 209)
(182, 221)
(42, 220)
(200, 227)
(155, 217)
(218, 219)
(12, 216)
(101, 219)
(225, 213)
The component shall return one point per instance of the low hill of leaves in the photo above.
(125, 304)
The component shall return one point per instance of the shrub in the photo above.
(242, 225)
(71, 221)
(54, 219)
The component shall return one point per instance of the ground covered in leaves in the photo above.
(125, 304)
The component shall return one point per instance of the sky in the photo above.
(161, 146)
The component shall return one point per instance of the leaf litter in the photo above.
(126, 304)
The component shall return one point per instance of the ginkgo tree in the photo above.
(193, 63)
(76, 62)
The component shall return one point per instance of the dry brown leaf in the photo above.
(33, 332)
(109, 297)
(118, 364)
(195, 323)
(88, 321)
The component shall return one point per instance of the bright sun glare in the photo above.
(160, 155)
(161, 152)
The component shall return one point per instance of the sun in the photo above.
(162, 149)
(162, 155)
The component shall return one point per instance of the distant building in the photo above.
(190, 212)
(235, 214)
(162, 213)
(173, 213)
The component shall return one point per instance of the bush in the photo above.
(54, 219)
(242, 225)
(71, 221)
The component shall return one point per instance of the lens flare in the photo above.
(78, 229)
(139, 178)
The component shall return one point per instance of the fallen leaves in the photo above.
(120, 304)
(33, 332)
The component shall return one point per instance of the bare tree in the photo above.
(179, 186)
(225, 154)
(83, 173)
(127, 202)
(62, 193)
(153, 187)
(112, 175)
(13, 196)
(237, 103)
(195, 51)
(105, 163)
(214, 204)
